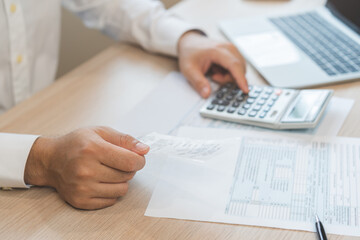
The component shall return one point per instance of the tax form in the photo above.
(274, 180)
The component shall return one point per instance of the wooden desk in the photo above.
(100, 92)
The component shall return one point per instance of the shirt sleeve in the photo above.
(14, 151)
(144, 22)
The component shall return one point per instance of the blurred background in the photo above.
(75, 48)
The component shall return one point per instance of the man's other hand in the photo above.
(199, 55)
(90, 167)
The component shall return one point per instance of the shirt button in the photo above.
(19, 59)
(13, 8)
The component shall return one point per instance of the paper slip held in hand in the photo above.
(259, 179)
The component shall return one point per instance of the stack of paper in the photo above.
(262, 179)
(235, 174)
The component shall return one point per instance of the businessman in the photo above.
(90, 167)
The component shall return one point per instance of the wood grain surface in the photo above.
(100, 92)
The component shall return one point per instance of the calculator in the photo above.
(268, 107)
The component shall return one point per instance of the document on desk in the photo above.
(195, 175)
(174, 104)
(272, 179)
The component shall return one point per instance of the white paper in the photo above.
(162, 109)
(277, 180)
(174, 104)
(194, 176)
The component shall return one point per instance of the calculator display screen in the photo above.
(303, 106)
(306, 106)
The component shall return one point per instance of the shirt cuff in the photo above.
(169, 33)
(14, 151)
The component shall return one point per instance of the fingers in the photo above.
(222, 78)
(234, 65)
(98, 203)
(106, 174)
(103, 195)
(121, 158)
(111, 190)
(93, 195)
(233, 50)
(198, 80)
(122, 140)
(198, 53)
(92, 203)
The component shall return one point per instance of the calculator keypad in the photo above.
(258, 103)
(269, 107)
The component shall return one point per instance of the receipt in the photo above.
(184, 147)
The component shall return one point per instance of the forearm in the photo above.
(143, 22)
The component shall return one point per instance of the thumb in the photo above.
(122, 140)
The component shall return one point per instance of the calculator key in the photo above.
(265, 96)
(236, 104)
(240, 98)
(219, 95)
(267, 108)
(229, 97)
(263, 115)
(226, 103)
(269, 90)
(231, 110)
(210, 107)
(246, 106)
(278, 92)
(256, 108)
(222, 102)
(250, 100)
(275, 97)
(242, 111)
(221, 108)
(215, 101)
(271, 103)
(253, 95)
(261, 102)
(224, 90)
(252, 113)
(234, 91)
(258, 90)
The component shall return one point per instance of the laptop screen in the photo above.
(348, 9)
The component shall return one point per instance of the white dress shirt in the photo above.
(29, 43)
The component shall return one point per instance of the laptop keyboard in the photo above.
(327, 46)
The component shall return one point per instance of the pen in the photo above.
(320, 229)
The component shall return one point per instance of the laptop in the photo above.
(306, 49)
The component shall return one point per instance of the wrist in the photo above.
(188, 37)
(37, 164)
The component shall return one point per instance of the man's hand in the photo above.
(198, 55)
(89, 167)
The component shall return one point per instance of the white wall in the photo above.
(79, 43)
